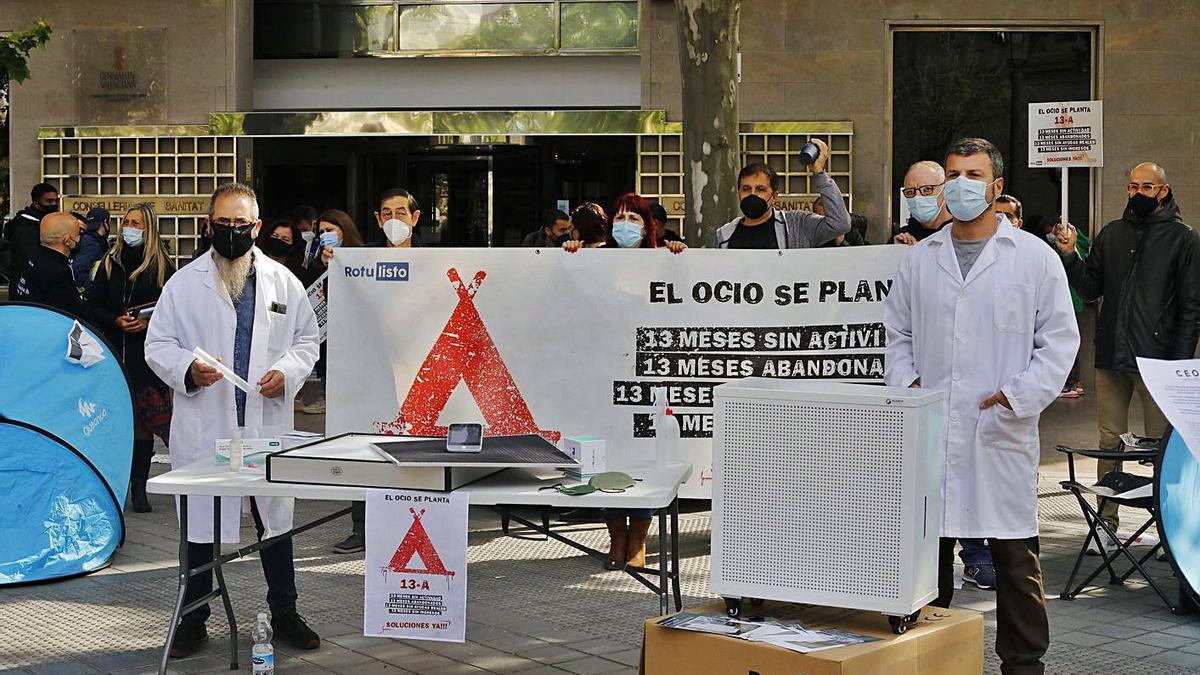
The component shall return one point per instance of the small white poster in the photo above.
(416, 567)
(320, 303)
(1175, 387)
(1066, 134)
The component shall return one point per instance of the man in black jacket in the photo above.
(21, 233)
(47, 277)
(1147, 267)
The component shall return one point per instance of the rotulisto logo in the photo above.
(383, 271)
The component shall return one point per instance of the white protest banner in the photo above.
(544, 341)
(1066, 134)
(416, 565)
(320, 304)
(1175, 387)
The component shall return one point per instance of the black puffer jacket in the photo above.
(1148, 272)
(112, 293)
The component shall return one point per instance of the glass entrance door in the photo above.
(455, 195)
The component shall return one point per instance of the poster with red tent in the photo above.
(416, 561)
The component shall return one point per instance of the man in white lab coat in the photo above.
(251, 313)
(983, 313)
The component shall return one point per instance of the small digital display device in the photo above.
(464, 438)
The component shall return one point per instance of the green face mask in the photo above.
(609, 481)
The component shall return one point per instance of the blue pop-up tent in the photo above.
(66, 443)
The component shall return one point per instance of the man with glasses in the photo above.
(923, 196)
(253, 314)
(1146, 266)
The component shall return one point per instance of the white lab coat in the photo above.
(1009, 326)
(193, 312)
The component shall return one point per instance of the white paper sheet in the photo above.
(209, 360)
(1175, 387)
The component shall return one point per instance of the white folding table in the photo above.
(657, 489)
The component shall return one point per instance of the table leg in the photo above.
(675, 554)
(183, 581)
(664, 588)
(219, 577)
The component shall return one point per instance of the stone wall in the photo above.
(813, 60)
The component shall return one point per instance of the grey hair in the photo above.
(232, 189)
(965, 147)
(932, 166)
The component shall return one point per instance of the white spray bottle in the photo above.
(666, 429)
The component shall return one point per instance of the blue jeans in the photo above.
(634, 514)
(974, 552)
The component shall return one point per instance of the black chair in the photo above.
(1135, 498)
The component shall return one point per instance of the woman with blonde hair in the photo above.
(128, 282)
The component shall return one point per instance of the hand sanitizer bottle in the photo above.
(235, 450)
(666, 430)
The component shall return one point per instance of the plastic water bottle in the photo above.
(262, 655)
(666, 430)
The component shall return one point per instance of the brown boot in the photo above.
(635, 546)
(618, 531)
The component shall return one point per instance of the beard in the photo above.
(233, 274)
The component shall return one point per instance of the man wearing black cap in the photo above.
(93, 244)
(22, 234)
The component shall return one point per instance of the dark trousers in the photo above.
(278, 568)
(358, 517)
(1022, 628)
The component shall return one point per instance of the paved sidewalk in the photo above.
(534, 606)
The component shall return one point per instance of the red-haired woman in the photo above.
(632, 227)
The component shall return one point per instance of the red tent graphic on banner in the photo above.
(464, 351)
(416, 543)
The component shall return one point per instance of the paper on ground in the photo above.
(1175, 387)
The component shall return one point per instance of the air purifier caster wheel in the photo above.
(900, 624)
(733, 606)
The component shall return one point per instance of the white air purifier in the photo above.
(827, 494)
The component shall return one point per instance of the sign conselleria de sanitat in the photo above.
(543, 341)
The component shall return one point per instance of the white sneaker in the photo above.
(315, 408)
(1110, 544)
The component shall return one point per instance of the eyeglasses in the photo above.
(1145, 188)
(239, 224)
(923, 190)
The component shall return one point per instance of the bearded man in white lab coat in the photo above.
(251, 313)
(983, 313)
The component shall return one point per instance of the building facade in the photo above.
(496, 113)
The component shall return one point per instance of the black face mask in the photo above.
(562, 239)
(1141, 205)
(277, 248)
(754, 207)
(232, 242)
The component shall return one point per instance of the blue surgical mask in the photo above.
(329, 239)
(966, 198)
(924, 208)
(132, 236)
(627, 233)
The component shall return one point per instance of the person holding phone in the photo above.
(129, 280)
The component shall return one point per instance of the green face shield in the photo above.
(609, 481)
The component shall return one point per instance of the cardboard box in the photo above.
(941, 642)
(588, 451)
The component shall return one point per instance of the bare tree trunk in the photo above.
(708, 47)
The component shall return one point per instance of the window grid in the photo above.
(660, 165)
(150, 166)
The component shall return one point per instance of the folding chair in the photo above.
(1136, 492)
